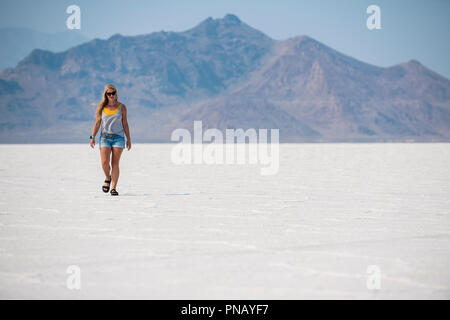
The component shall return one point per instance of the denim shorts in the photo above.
(115, 141)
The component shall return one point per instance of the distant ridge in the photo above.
(19, 42)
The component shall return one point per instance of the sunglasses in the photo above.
(111, 93)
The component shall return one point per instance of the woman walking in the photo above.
(111, 117)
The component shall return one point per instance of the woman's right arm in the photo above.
(97, 123)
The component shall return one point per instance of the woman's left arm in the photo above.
(126, 129)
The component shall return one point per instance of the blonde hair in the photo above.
(104, 102)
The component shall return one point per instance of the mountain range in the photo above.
(229, 75)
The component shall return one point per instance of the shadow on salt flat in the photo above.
(143, 195)
(178, 194)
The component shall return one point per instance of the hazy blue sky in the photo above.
(411, 29)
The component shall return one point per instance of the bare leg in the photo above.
(105, 153)
(116, 153)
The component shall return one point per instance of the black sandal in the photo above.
(106, 188)
(114, 192)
